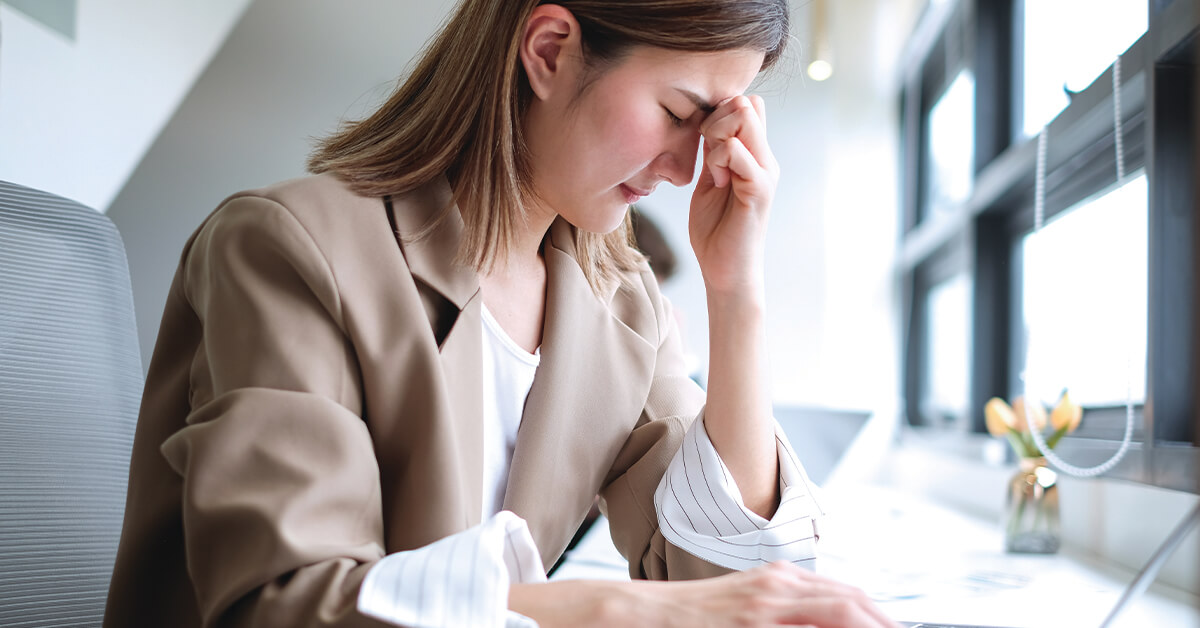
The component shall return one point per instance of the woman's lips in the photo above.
(633, 195)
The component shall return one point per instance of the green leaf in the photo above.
(1018, 443)
(1057, 436)
(1031, 446)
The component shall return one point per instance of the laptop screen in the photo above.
(820, 436)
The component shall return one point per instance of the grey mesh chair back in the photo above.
(70, 385)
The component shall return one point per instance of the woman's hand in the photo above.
(779, 594)
(733, 196)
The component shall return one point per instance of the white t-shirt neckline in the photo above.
(508, 372)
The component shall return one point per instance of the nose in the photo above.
(677, 163)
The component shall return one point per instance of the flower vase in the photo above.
(1032, 509)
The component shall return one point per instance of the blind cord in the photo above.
(1039, 207)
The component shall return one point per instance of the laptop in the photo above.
(820, 436)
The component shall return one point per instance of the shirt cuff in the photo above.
(461, 580)
(701, 511)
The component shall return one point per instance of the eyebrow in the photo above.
(701, 104)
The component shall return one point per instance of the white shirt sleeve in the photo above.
(700, 508)
(461, 580)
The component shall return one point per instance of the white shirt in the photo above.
(465, 576)
(508, 372)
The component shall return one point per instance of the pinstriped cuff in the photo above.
(461, 580)
(700, 508)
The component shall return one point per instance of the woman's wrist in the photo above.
(574, 603)
(737, 300)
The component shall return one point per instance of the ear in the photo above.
(550, 49)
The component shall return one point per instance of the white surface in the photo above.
(923, 562)
(1109, 519)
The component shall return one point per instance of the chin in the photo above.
(601, 220)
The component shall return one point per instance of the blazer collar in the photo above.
(430, 255)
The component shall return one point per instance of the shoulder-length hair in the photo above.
(459, 113)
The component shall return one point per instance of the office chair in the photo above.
(70, 384)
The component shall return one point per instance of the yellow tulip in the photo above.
(1036, 412)
(999, 417)
(1066, 414)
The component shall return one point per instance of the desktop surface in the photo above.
(926, 565)
(922, 562)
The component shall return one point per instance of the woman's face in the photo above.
(636, 125)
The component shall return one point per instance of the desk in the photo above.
(924, 562)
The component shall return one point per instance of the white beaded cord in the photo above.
(1039, 205)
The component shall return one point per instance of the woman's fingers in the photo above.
(743, 118)
(817, 584)
(823, 602)
(837, 612)
(779, 594)
(733, 195)
(732, 159)
(760, 107)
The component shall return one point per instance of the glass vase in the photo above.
(1032, 509)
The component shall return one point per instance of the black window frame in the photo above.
(982, 237)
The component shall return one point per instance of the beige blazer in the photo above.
(313, 404)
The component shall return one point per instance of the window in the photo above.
(1084, 300)
(1111, 279)
(948, 345)
(1097, 31)
(950, 146)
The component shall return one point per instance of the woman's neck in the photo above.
(514, 290)
(515, 294)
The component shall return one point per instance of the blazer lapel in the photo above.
(586, 398)
(429, 254)
(428, 251)
(463, 371)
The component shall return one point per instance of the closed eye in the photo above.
(675, 120)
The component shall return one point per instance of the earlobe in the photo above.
(551, 33)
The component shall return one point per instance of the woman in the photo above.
(388, 393)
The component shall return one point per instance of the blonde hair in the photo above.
(459, 113)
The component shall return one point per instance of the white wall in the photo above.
(77, 116)
(289, 71)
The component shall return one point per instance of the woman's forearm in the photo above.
(777, 594)
(574, 603)
(738, 412)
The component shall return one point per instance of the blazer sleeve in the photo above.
(281, 498)
(627, 498)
